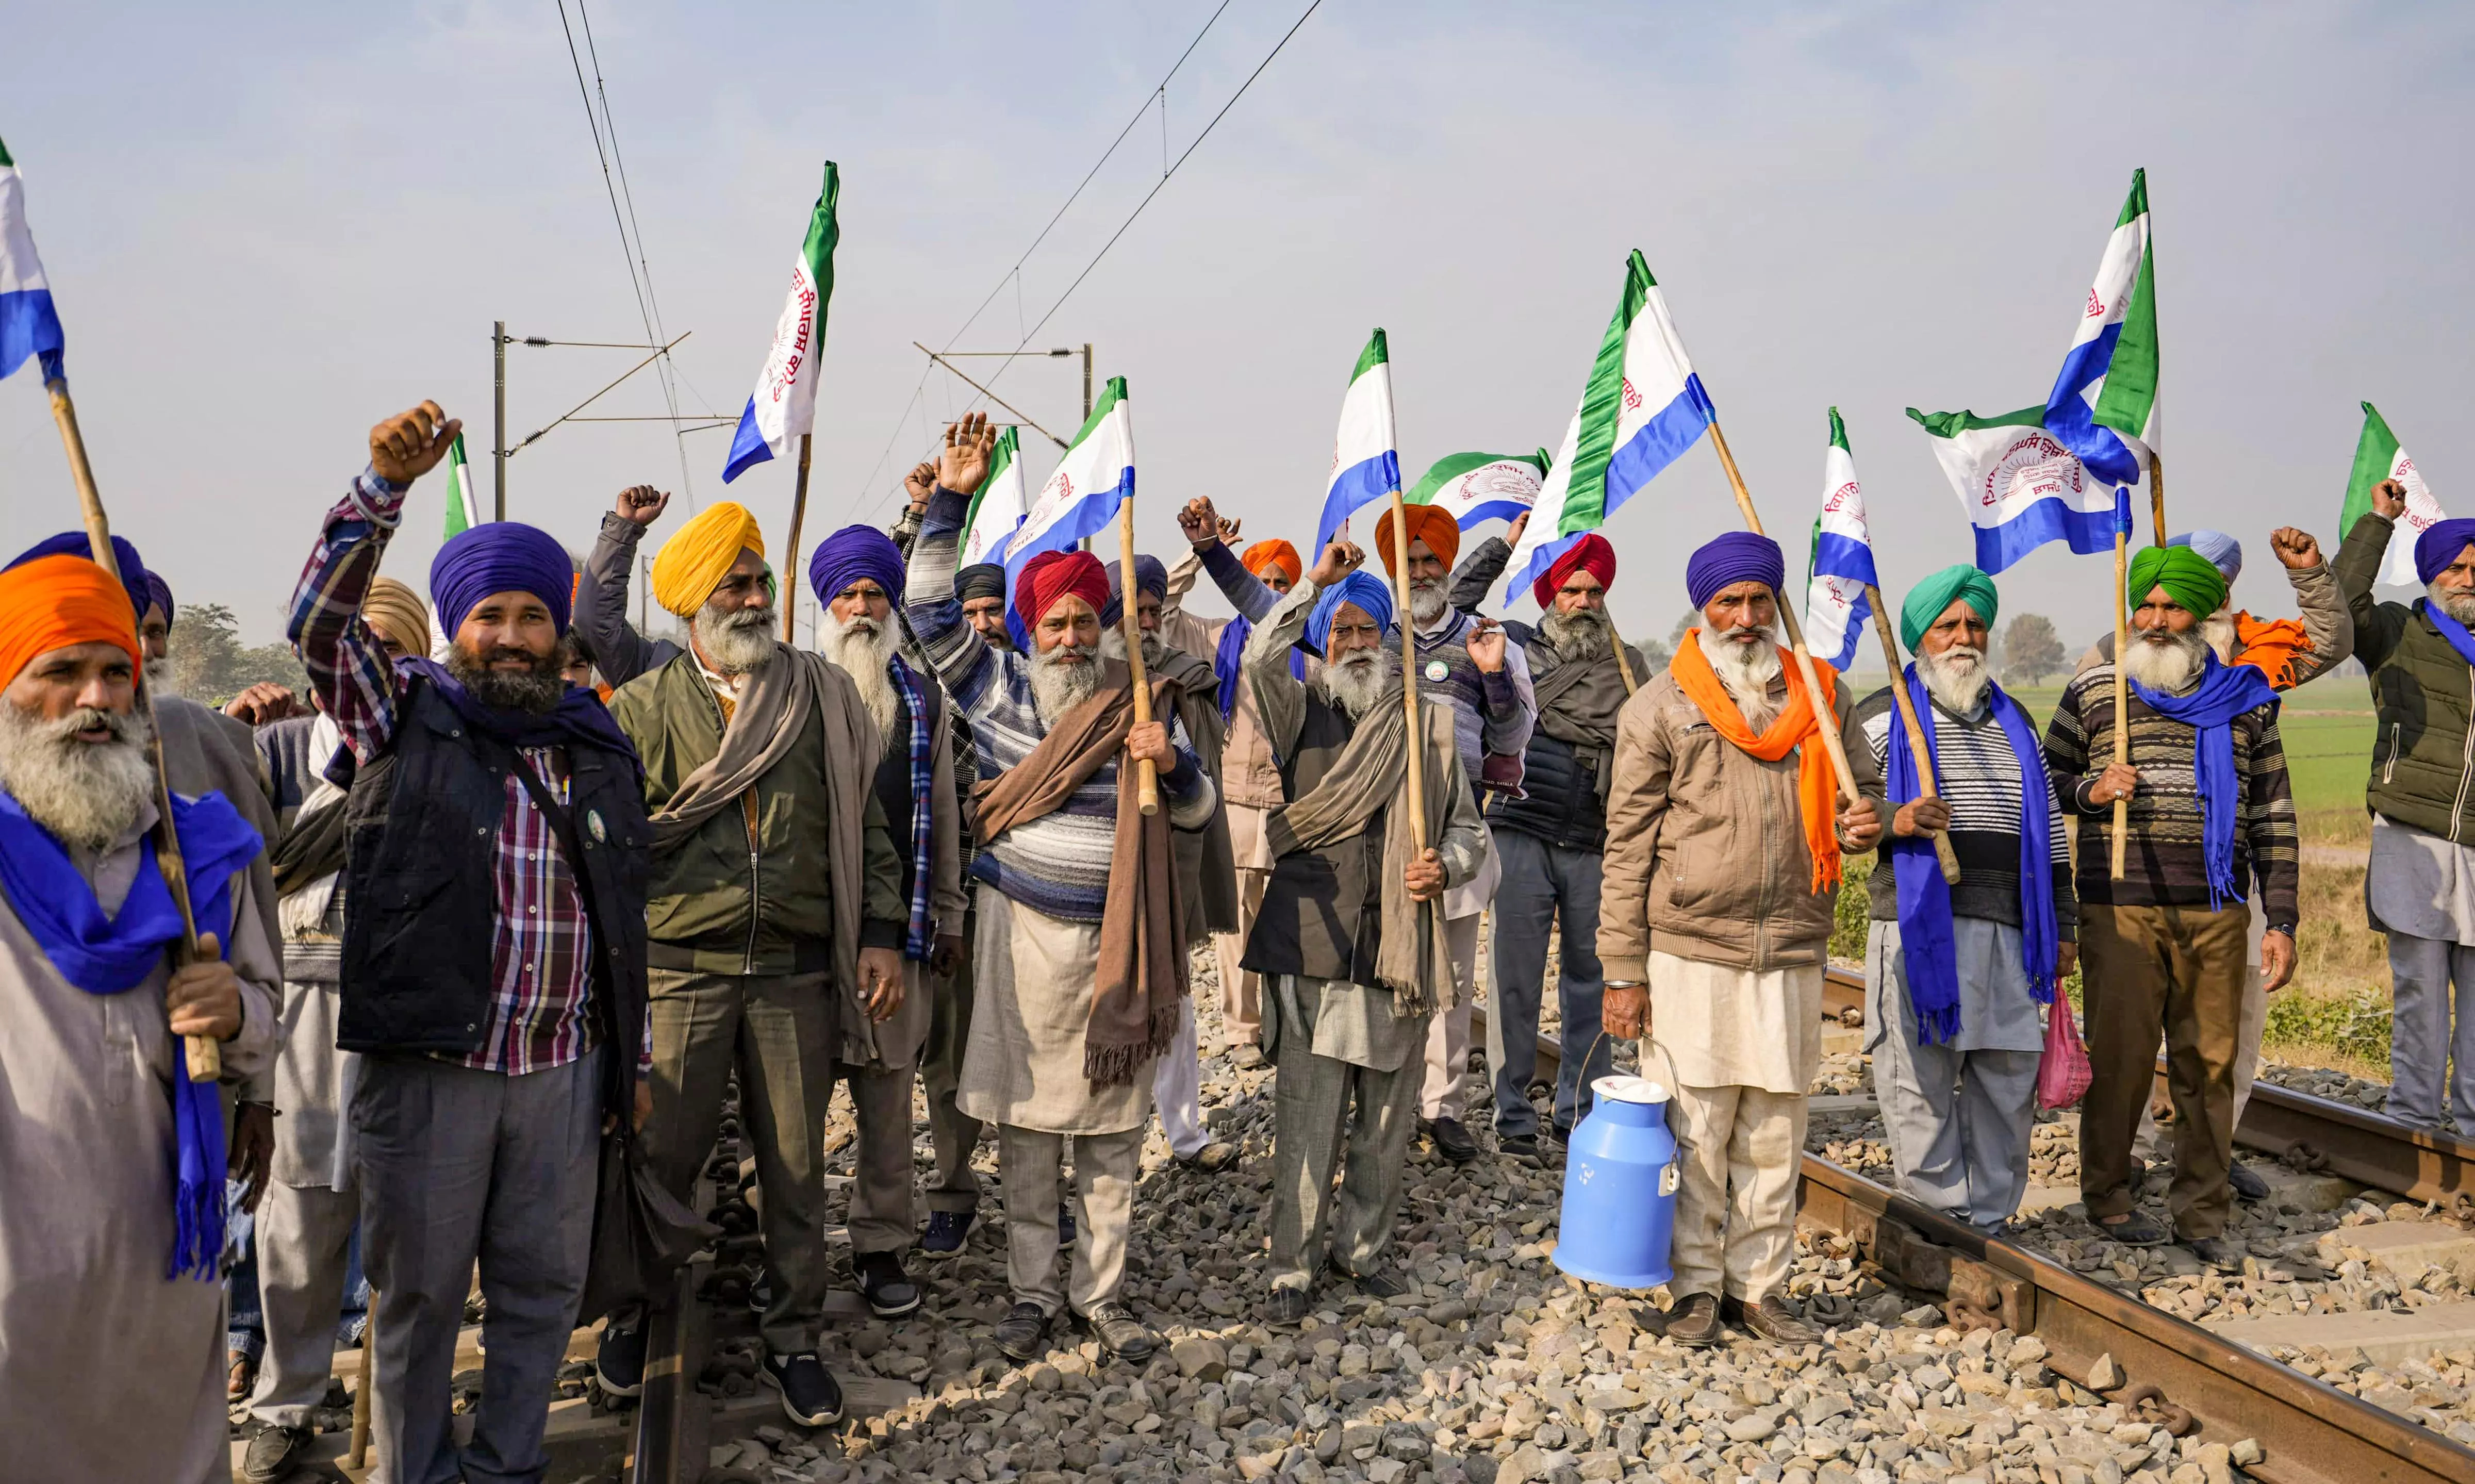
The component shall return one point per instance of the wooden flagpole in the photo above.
(1915, 734)
(1409, 672)
(791, 560)
(205, 1058)
(2123, 648)
(1623, 666)
(1129, 624)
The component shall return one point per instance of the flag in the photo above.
(997, 508)
(1081, 493)
(1477, 487)
(2378, 457)
(463, 501)
(784, 405)
(29, 325)
(1640, 410)
(1835, 602)
(2103, 406)
(2021, 487)
(1365, 456)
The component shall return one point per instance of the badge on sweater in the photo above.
(593, 823)
(1437, 669)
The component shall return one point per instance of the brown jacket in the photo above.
(1705, 853)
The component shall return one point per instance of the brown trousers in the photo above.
(2179, 971)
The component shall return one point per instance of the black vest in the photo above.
(1323, 909)
(421, 840)
(1561, 796)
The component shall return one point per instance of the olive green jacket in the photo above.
(2423, 754)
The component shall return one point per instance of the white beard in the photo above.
(1112, 646)
(1747, 671)
(1956, 677)
(85, 794)
(159, 677)
(1057, 687)
(863, 647)
(1427, 600)
(2170, 664)
(735, 643)
(1357, 681)
(1579, 635)
(2457, 605)
(2217, 629)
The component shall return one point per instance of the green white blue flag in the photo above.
(2378, 457)
(1836, 604)
(784, 405)
(2103, 406)
(1365, 455)
(997, 508)
(1475, 487)
(463, 501)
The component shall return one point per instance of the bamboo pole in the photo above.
(791, 560)
(205, 1058)
(1408, 674)
(1824, 722)
(1147, 782)
(357, 1455)
(1915, 734)
(1624, 664)
(2156, 499)
(2122, 690)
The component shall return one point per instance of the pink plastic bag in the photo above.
(2064, 1075)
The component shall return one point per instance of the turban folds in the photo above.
(699, 554)
(1054, 574)
(159, 593)
(1150, 576)
(851, 554)
(2439, 545)
(396, 613)
(502, 556)
(1590, 554)
(980, 579)
(55, 601)
(133, 569)
(1927, 600)
(1361, 590)
(1431, 523)
(2223, 551)
(1274, 552)
(1738, 556)
(2188, 577)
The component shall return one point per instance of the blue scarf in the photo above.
(1228, 662)
(579, 720)
(920, 938)
(1926, 938)
(2450, 630)
(2224, 692)
(111, 954)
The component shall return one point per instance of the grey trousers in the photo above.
(953, 1134)
(1446, 1078)
(1105, 1168)
(1543, 882)
(305, 1238)
(881, 1215)
(2432, 1065)
(457, 1166)
(1312, 1099)
(1958, 1125)
(778, 1031)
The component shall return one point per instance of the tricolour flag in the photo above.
(1640, 410)
(1835, 602)
(2378, 457)
(1365, 456)
(2021, 486)
(2103, 406)
(784, 404)
(1081, 495)
(463, 501)
(1475, 487)
(997, 508)
(29, 325)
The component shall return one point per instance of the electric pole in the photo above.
(498, 420)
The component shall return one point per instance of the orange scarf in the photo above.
(2269, 647)
(1795, 725)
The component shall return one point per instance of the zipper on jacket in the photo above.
(755, 879)
(2466, 773)
(2388, 773)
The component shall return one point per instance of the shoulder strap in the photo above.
(562, 823)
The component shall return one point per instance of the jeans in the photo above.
(1542, 883)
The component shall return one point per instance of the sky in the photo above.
(268, 226)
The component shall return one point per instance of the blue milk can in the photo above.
(1620, 1177)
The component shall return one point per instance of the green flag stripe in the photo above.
(1585, 501)
(2375, 454)
(2131, 378)
(1008, 443)
(1454, 466)
(1375, 355)
(2137, 201)
(1109, 395)
(1838, 440)
(824, 234)
(1950, 424)
(4, 154)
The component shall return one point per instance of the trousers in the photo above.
(1030, 1162)
(1241, 993)
(1545, 886)
(1177, 1087)
(2432, 1065)
(1738, 1151)
(881, 1216)
(1311, 1101)
(1444, 1092)
(304, 1271)
(952, 1133)
(2250, 1026)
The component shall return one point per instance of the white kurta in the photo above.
(1032, 1002)
(87, 1319)
(1734, 1027)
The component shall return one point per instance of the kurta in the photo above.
(1340, 1022)
(1024, 1064)
(1736, 1028)
(87, 1161)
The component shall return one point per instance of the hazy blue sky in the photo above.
(268, 224)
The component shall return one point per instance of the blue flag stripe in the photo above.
(2085, 532)
(1657, 443)
(1359, 485)
(747, 445)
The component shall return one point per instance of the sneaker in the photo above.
(619, 1367)
(2246, 1182)
(1452, 1140)
(947, 1231)
(1693, 1321)
(272, 1452)
(1064, 1224)
(1286, 1307)
(1023, 1334)
(1771, 1319)
(810, 1395)
(890, 1291)
(1520, 1149)
(1119, 1333)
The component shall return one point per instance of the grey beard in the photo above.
(736, 642)
(2163, 660)
(863, 647)
(1112, 646)
(1579, 635)
(1057, 687)
(536, 691)
(2457, 605)
(86, 794)
(1357, 681)
(159, 677)
(1747, 671)
(1956, 677)
(1427, 600)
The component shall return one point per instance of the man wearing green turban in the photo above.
(1954, 974)
(2188, 577)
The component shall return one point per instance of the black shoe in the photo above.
(1771, 1319)
(1119, 1333)
(1695, 1321)
(1286, 1307)
(2246, 1182)
(1023, 1334)
(947, 1231)
(760, 1293)
(1520, 1149)
(2139, 1230)
(811, 1397)
(1211, 1159)
(891, 1293)
(2222, 1253)
(620, 1368)
(1452, 1140)
(272, 1452)
(1379, 1285)
(1064, 1226)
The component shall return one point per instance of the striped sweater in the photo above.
(1058, 863)
(2164, 866)
(1492, 715)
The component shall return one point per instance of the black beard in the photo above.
(534, 690)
